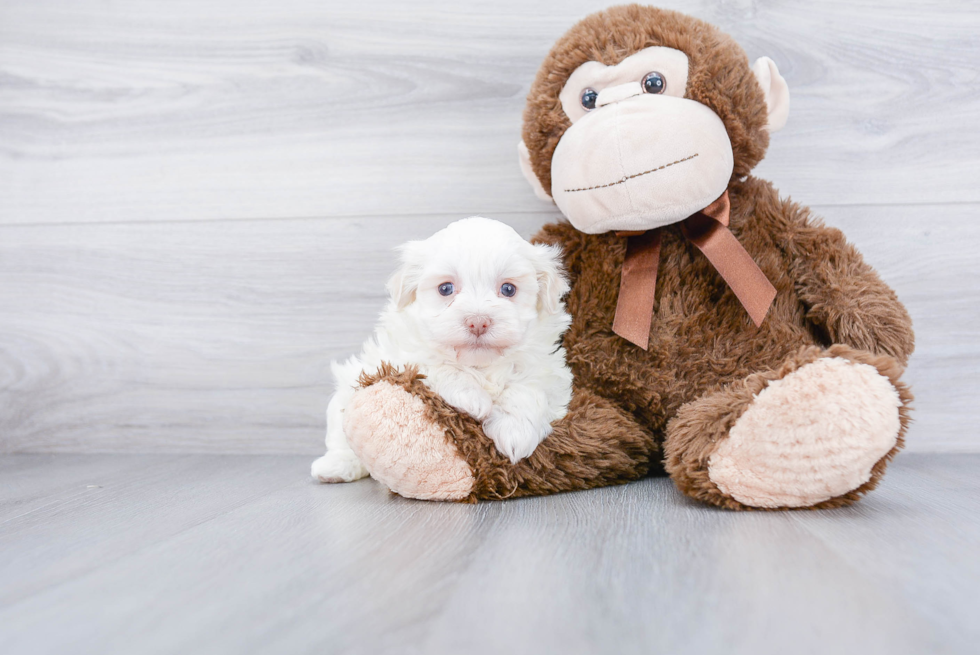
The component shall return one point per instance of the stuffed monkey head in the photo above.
(640, 117)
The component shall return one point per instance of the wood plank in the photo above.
(217, 336)
(301, 567)
(28, 483)
(126, 503)
(873, 538)
(227, 110)
(640, 569)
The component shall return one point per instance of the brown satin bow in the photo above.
(708, 230)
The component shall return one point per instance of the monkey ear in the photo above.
(776, 92)
(525, 160)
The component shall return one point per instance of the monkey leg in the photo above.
(817, 432)
(410, 440)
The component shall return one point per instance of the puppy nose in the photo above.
(478, 324)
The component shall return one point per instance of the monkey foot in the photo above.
(817, 433)
(392, 434)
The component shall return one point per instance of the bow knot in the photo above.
(708, 230)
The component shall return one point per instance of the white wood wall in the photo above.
(198, 198)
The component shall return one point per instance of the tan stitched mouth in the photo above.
(630, 177)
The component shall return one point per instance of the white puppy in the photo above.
(478, 309)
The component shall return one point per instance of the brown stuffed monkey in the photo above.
(720, 333)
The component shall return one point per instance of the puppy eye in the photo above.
(588, 98)
(446, 289)
(507, 289)
(654, 83)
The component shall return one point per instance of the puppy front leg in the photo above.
(519, 421)
(461, 391)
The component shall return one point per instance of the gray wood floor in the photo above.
(243, 554)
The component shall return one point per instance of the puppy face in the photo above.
(476, 287)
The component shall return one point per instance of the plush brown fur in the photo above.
(705, 358)
(702, 340)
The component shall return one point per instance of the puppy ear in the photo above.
(405, 281)
(552, 284)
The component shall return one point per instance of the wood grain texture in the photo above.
(217, 336)
(184, 337)
(80, 514)
(198, 200)
(189, 558)
(228, 109)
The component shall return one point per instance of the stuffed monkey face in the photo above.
(640, 144)
(639, 154)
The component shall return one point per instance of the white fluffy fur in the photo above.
(513, 377)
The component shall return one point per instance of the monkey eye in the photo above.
(507, 289)
(588, 98)
(446, 289)
(654, 83)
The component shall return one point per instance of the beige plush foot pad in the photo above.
(810, 436)
(388, 430)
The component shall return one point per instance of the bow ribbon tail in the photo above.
(733, 263)
(708, 231)
(638, 288)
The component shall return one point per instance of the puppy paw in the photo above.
(516, 437)
(338, 466)
(474, 401)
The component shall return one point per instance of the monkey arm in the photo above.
(843, 295)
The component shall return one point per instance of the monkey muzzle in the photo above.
(640, 161)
